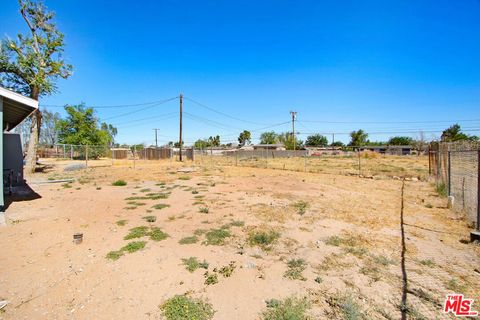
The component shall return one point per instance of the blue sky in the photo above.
(376, 65)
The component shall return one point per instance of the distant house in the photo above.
(392, 150)
(275, 146)
(14, 108)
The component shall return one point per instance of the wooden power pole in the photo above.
(180, 139)
(294, 114)
(156, 140)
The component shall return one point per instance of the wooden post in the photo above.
(181, 115)
(359, 163)
(86, 155)
(305, 162)
(134, 155)
(478, 191)
(449, 172)
(71, 152)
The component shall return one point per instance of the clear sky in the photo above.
(342, 65)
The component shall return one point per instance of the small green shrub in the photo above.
(134, 246)
(227, 271)
(184, 178)
(114, 255)
(301, 207)
(204, 210)
(263, 238)
(236, 223)
(217, 237)
(137, 232)
(161, 206)
(345, 307)
(119, 183)
(192, 264)
(334, 241)
(157, 234)
(295, 269)
(121, 223)
(150, 218)
(210, 278)
(188, 240)
(288, 309)
(181, 307)
(441, 189)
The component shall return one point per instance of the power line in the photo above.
(142, 109)
(222, 113)
(395, 122)
(148, 118)
(392, 132)
(108, 106)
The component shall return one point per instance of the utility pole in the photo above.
(333, 141)
(180, 139)
(156, 140)
(294, 115)
(156, 143)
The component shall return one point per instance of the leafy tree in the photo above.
(288, 141)
(244, 138)
(454, 133)
(269, 138)
(214, 141)
(177, 144)
(111, 132)
(33, 62)
(316, 140)
(358, 138)
(49, 134)
(201, 144)
(338, 144)
(81, 127)
(400, 141)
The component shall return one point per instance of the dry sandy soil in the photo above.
(346, 230)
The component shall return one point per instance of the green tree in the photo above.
(214, 141)
(201, 144)
(358, 138)
(111, 132)
(269, 137)
(49, 134)
(338, 144)
(316, 140)
(454, 133)
(33, 62)
(400, 141)
(244, 138)
(289, 142)
(81, 127)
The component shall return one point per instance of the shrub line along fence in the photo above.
(455, 166)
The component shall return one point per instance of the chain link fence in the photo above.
(105, 155)
(363, 163)
(455, 168)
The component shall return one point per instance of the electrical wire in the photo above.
(109, 106)
(222, 113)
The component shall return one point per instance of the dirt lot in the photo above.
(331, 240)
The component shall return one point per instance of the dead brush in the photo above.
(269, 213)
